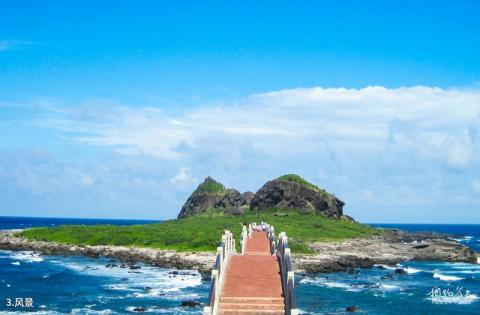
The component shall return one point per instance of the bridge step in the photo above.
(252, 306)
(258, 253)
(252, 300)
(240, 312)
(252, 282)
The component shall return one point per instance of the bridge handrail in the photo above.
(224, 251)
(279, 248)
(282, 250)
(287, 274)
(246, 234)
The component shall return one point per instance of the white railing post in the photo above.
(288, 277)
(217, 293)
(244, 239)
(220, 253)
(291, 276)
(218, 273)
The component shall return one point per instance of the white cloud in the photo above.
(434, 121)
(86, 180)
(183, 176)
(409, 147)
(460, 155)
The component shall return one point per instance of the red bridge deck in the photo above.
(252, 281)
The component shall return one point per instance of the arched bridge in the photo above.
(259, 280)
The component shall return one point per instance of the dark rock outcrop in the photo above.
(213, 195)
(139, 309)
(387, 249)
(233, 198)
(190, 304)
(206, 196)
(299, 195)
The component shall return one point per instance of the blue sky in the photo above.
(118, 110)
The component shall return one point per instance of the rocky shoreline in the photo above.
(201, 261)
(394, 247)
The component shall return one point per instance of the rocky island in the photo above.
(322, 237)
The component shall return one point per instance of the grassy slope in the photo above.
(202, 233)
(210, 188)
(299, 180)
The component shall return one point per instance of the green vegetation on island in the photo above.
(202, 232)
(211, 187)
(299, 180)
(307, 213)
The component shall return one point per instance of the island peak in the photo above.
(212, 194)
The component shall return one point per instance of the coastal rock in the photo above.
(388, 249)
(201, 261)
(138, 309)
(190, 304)
(213, 195)
(351, 309)
(293, 192)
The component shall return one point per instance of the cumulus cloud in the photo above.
(408, 147)
(39, 173)
(438, 123)
(183, 176)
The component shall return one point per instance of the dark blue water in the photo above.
(468, 234)
(80, 285)
(373, 291)
(27, 222)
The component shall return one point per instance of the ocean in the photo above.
(81, 285)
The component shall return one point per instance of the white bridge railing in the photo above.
(282, 250)
(279, 248)
(224, 251)
(286, 271)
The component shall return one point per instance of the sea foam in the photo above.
(386, 266)
(446, 278)
(91, 312)
(389, 287)
(147, 282)
(412, 270)
(330, 284)
(26, 256)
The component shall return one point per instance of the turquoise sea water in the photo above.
(80, 285)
